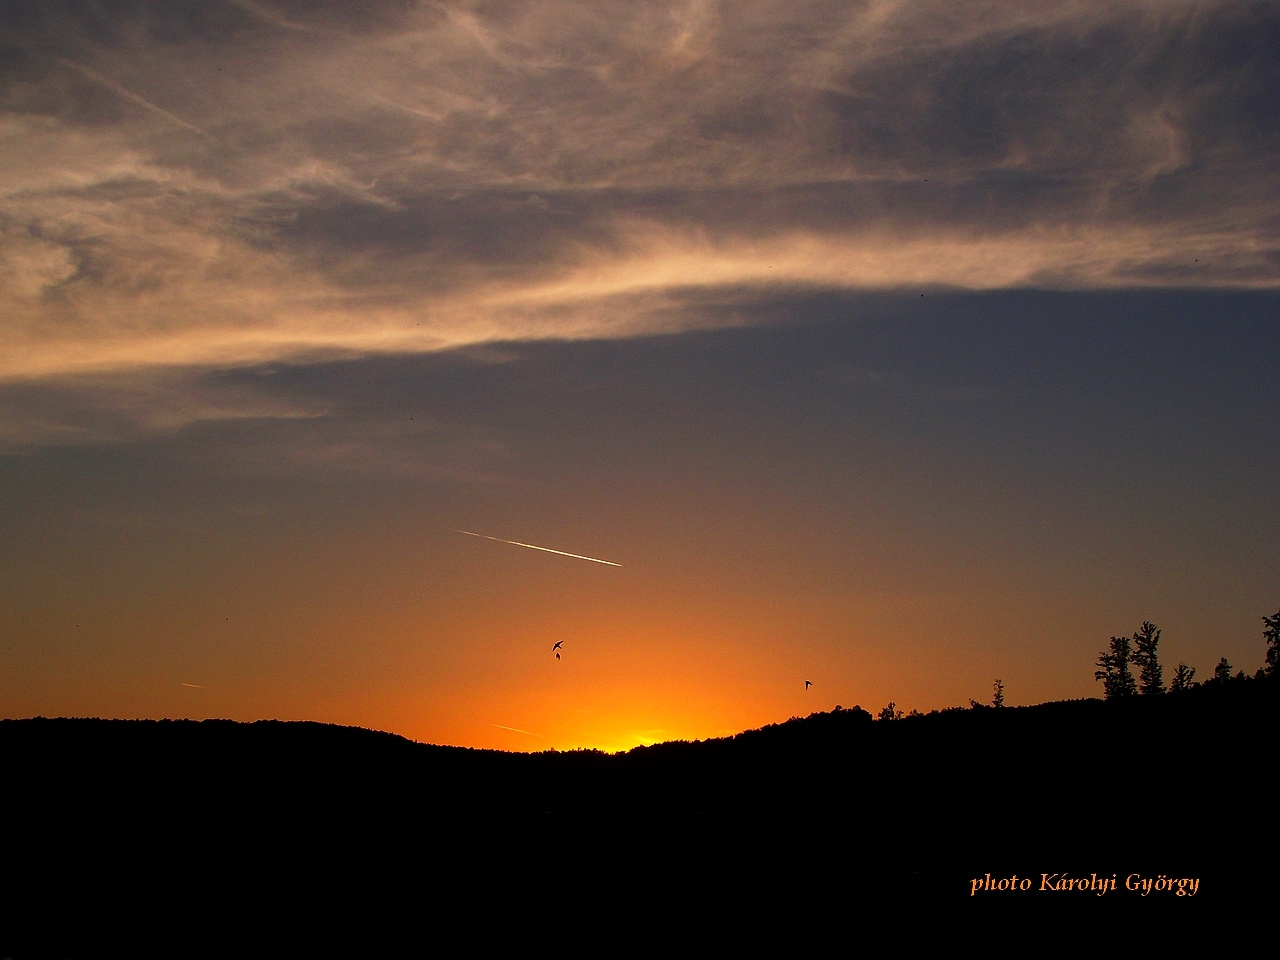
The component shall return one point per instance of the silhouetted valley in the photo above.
(115, 830)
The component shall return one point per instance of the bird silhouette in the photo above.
(557, 656)
(808, 684)
(556, 646)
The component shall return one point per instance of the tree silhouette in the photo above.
(1222, 672)
(1271, 631)
(1146, 640)
(890, 712)
(1183, 678)
(998, 699)
(1114, 673)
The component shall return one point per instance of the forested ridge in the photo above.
(106, 819)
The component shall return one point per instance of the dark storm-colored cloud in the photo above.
(216, 184)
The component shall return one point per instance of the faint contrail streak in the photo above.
(269, 16)
(531, 546)
(196, 685)
(518, 730)
(130, 95)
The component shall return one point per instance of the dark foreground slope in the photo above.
(178, 837)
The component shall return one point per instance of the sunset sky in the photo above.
(894, 345)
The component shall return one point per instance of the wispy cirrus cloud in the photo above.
(221, 184)
(91, 410)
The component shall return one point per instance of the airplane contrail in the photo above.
(532, 546)
(196, 685)
(128, 94)
(518, 730)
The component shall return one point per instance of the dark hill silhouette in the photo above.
(117, 832)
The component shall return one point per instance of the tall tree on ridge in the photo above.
(1271, 631)
(1117, 680)
(1146, 640)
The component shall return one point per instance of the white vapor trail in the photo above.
(531, 546)
(503, 726)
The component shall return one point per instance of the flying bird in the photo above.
(556, 646)
(808, 684)
(557, 656)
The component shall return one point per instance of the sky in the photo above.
(896, 346)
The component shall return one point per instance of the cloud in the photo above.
(94, 410)
(213, 185)
(385, 417)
